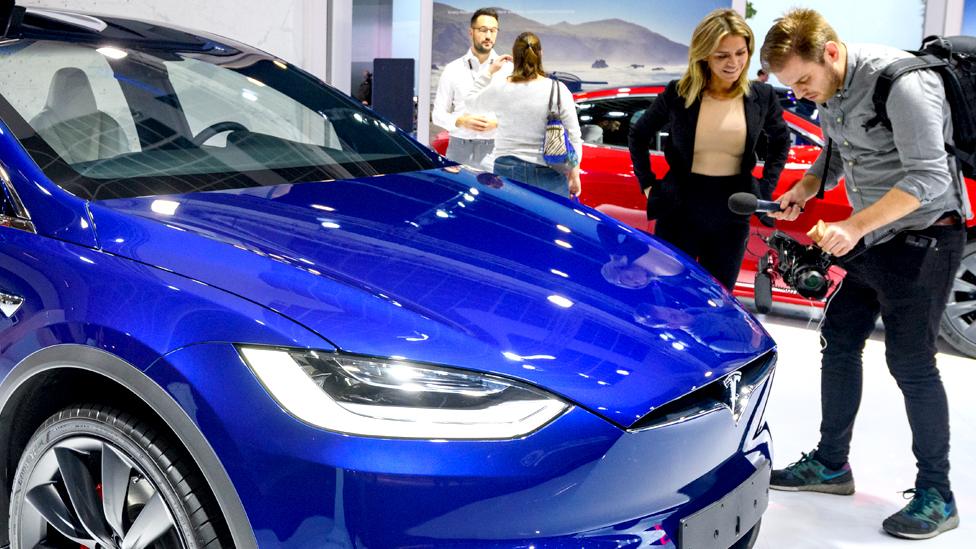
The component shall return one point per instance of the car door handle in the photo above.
(9, 304)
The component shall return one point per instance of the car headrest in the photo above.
(591, 133)
(71, 94)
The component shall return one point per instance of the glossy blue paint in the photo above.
(55, 212)
(79, 295)
(445, 266)
(453, 277)
(577, 477)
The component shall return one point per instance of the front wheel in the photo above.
(959, 318)
(95, 477)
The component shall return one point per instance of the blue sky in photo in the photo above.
(674, 20)
(896, 23)
(969, 18)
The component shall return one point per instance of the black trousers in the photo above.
(907, 281)
(700, 224)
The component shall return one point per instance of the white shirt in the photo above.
(522, 109)
(455, 84)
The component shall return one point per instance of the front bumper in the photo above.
(578, 479)
(729, 519)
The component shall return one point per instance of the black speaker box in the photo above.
(393, 91)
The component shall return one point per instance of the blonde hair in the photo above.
(802, 32)
(527, 58)
(704, 41)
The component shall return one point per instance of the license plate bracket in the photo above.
(724, 522)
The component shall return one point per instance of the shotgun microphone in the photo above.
(748, 204)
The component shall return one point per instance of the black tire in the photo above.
(959, 319)
(748, 540)
(95, 474)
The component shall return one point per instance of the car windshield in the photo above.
(801, 107)
(111, 122)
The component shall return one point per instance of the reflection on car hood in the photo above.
(459, 269)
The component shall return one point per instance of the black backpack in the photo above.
(954, 59)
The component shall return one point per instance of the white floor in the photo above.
(881, 455)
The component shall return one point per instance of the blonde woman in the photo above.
(521, 103)
(716, 116)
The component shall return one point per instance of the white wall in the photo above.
(406, 28)
(274, 26)
(372, 27)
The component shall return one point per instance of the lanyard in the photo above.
(475, 72)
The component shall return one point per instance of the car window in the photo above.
(112, 122)
(801, 107)
(210, 95)
(47, 71)
(797, 138)
(608, 121)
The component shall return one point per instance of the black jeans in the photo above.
(699, 223)
(907, 281)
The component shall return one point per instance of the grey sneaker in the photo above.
(809, 475)
(926, 516)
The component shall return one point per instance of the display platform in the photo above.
(881, 456)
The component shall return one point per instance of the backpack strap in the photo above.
(823, 178)
(967, 158)
(887, 79)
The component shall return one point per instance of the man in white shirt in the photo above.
(472, 133)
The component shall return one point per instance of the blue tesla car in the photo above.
(238, 309)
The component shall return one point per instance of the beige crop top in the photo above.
(720, 137)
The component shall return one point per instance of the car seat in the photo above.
(592, 133)
(72, 124)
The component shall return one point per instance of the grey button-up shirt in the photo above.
(910, 157)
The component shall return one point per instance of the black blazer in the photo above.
(763, 115)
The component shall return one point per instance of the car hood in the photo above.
(459, 268)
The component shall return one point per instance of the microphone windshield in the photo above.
(743, 203)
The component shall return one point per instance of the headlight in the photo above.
(396, 398)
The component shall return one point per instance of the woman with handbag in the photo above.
(529, 108)
(716, 116)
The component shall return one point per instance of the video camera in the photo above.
(802, 268)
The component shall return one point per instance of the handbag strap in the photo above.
(554, 113)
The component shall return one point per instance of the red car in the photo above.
(609, 186)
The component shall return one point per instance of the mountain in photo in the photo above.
(613, 40)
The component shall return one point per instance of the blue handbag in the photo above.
(557, 151)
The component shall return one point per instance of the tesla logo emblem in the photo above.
(731, 383)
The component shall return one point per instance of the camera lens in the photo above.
(811, 283)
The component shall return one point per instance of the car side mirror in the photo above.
(12, 211)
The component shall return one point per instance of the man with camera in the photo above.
(908, 200)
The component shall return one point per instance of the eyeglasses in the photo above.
(486, 30)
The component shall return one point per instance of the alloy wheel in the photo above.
(959, 319)
(88, 492)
